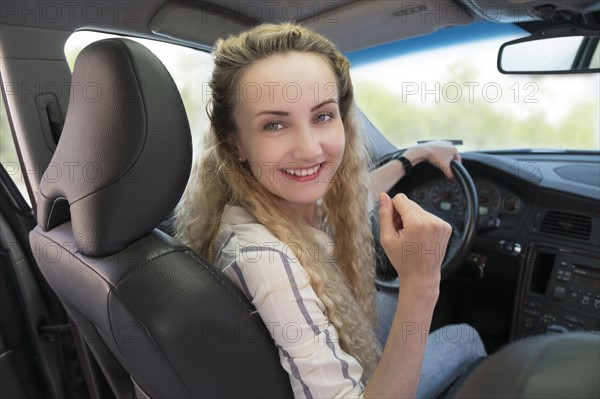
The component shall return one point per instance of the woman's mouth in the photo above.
(303, 174)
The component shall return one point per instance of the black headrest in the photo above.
(546, 366)
(125, 152)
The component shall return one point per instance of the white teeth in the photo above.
(303, 172)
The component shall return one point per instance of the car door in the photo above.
(38, 357)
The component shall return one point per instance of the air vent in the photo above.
(567, 225)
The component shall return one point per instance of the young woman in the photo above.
(280, 201)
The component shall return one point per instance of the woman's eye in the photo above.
(272, 126)
(326, 117)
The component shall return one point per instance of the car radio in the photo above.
(561, 293)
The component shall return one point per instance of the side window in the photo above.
(8, 152)
(190, 69)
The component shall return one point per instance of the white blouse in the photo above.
(275, 282)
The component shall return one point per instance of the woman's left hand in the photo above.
(437, 153)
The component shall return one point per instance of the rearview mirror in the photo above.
(550, 52)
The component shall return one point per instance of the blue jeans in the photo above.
(450, 350)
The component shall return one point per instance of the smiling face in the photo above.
(289, 127)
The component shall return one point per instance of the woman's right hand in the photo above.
(414, 240)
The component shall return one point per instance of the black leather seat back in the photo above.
(149, 309)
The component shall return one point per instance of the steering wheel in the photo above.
(460, 241)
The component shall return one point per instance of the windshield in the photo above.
(447, 86)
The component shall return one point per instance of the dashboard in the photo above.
(538, 238)
(499, 205)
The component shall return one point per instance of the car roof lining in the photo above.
(348, 23)
(393, 19)
(519, 11)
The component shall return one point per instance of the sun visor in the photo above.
(386, 21)
(196, 26)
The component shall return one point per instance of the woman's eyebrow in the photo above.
(316, 107)
(284, 113)
(280, 113)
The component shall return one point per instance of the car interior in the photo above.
(99, 300)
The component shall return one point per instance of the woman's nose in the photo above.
(307, 145)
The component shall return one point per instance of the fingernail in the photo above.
(383, 198)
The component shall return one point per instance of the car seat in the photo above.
(155, 318)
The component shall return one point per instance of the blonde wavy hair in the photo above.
(346, 288)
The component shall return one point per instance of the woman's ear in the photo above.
(236, 147)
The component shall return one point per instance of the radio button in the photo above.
(597, 303)
(531, 312)
(547, 319)
(529, 324)
(573, 296)
(574, 319)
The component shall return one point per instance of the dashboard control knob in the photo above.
(585, 300)
(559, 293)
(509, 247)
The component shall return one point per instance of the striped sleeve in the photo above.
(309, 351)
